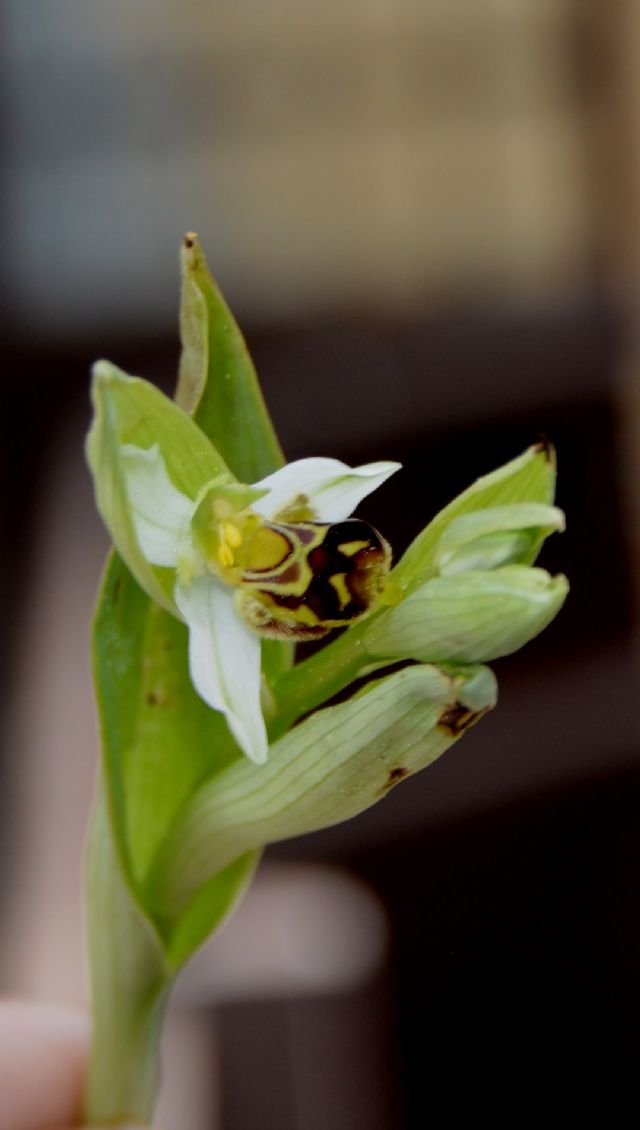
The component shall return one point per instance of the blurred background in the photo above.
(426, 217)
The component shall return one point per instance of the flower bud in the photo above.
(528, 479)
(499, 535)
(468, 617)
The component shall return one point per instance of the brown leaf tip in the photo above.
(190, 238)
(545, 447)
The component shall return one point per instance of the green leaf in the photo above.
(529, 478)
(209, 907)
(160, 740)
(217, 383)
(469, 617)
(332, 766)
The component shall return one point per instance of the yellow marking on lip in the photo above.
(267, 549)
(339, 583)
(350, 548)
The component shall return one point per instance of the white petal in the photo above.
(224, 660)
(333, 488)
(161, 513)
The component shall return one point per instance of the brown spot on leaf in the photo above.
(398, 773)
(190, 239)
(458, 718)
(158, 697)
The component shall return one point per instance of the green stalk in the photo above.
(130, 983)
(314, 681)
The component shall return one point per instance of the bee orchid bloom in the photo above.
(241, 560)
(209, 561)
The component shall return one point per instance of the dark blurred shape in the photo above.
(515, 967)
(513, 970)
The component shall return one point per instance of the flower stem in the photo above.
(129, 988)
(314, 681)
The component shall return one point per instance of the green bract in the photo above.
(196, 498)
(335, 764)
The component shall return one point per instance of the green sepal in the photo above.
(139, 414)
(328, 769)
(528, 478)
(468, 617)
(130, 411)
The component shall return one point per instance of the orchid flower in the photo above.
(210, 535)
(204, 541)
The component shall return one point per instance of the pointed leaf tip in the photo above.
(545, 447)
(217, 382)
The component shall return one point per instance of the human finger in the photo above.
(43, 1054)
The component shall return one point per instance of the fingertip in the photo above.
(43, 1054)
